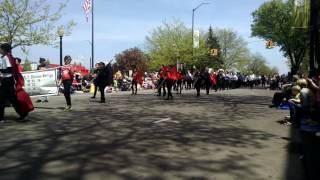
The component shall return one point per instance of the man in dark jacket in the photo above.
(101, 80)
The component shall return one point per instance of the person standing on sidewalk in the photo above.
(67, 74)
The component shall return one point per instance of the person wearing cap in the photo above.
(11, 85)
(67, 74)
(43, 65)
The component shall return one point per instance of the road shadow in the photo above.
(120, 140)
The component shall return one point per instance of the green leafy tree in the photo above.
(213, 43)
(233, 48)
(275, 20)
(26, 23)
(257, 65)
(26, 65)
(172, 43)
(132, 58)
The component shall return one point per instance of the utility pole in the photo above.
(92, 38)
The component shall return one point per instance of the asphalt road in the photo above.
(231, 135)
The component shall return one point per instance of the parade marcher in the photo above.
(263, 81)
(11, 85)
(198, 81)
(189, 79)
(134, 83)
(162, 82)
(20, 67)
(220, 79)
(137, 78)
(179, 82)
(67, 74)
(43, 65)
(95, 74)
(169, 77)
(213, 79)
(102, 79)
(251, 80)
(206, 76)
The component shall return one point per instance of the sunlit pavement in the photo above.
(226, 135)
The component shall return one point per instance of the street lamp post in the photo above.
(193, 11)
(61, 33)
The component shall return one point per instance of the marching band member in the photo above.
(11, 85)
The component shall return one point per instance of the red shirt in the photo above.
(66, 72)
(20, 68)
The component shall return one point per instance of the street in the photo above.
(230, 135)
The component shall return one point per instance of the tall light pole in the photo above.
(92, 38)
(193, 11)
(61, 33)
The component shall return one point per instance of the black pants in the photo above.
(169, 87)
(189, 84)
(198, 87)
(7, 92)
(134, 87)
(67, 94)
(162, 85)
(208, 86)
(101, 89)
(179, 86)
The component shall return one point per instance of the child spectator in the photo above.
(294, 106)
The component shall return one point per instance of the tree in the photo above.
(172, 43)
(233, 48)
(275, 20)
(26, 65)
(26, 23)
(132, 58)
(213, 43)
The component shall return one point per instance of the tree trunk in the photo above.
(294, 70)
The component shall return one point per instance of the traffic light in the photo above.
(269, 44)
(214, 52)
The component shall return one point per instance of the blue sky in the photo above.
(123, 24)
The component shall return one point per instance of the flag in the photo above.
(172, 74)
(196, 39)
(87, 7)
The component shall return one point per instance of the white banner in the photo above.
(196, 39)
(41, 83)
